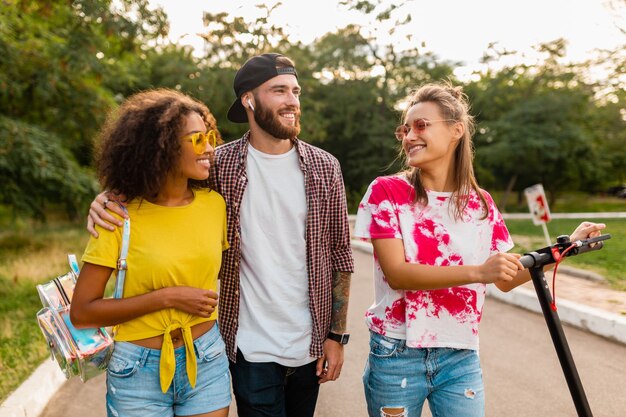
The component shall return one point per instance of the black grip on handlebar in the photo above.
(600, 238)
(531, 259)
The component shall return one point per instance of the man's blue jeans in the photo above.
(398, 379)
(268, 389)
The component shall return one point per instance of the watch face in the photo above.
(339, 338)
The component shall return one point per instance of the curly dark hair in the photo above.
(140, 145)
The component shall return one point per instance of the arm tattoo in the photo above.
(341, 292)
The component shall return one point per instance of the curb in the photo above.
(581, 273)
(593, 320)
(31, 398)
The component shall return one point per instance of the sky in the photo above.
(456, 30)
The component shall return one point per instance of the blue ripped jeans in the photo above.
(398, 379)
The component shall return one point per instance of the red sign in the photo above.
(538, 204)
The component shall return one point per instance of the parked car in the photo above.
(617, 191)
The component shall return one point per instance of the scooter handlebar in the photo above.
(544, 256)
(531, 259)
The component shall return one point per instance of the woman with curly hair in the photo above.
(438, 240)
(156, 150)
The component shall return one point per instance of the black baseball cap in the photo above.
(252, 74)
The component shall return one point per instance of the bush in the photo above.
(36, 170)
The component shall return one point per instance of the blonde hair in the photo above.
(454, 105)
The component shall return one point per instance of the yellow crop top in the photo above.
(169, 246)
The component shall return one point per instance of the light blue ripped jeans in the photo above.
(398, 379)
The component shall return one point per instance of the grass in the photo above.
(29, 254)
(609, 261)
(577, 202)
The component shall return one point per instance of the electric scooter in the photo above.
(535, 261)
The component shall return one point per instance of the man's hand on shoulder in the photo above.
(100, 212)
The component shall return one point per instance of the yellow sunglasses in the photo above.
(199, 140)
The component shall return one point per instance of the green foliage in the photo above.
(359, 132)
(231, 40)
(397, 71)
(359, 81)
(541, 133)
(607, 131)
(63, 66)
(66, 64)
(546, 118)
(176, 67)
(35, 169)
(59, 60)
(344, 54)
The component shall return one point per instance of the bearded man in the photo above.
(285, 280)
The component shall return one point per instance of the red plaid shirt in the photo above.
(327, 234)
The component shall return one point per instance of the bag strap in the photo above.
(122, 265)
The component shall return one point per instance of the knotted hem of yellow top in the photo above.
(167, 364)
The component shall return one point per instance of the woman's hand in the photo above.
(196, 301)
(500, 267)
(586, 230)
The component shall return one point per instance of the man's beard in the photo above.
(271, 123)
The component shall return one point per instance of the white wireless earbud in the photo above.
(250, 105)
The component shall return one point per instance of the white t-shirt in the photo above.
(275, 322)
(431, 235)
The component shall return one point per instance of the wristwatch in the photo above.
(339, 338)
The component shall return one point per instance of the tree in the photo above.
(64, 65)
(36, 170)
(534, 125)
(354, 130)
(536, 142)
(62, 61)
(362, 80)
(231, 40)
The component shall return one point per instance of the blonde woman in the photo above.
(438, 240)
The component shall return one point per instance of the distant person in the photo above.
(438, 240)
(285, 280)
(169, 358)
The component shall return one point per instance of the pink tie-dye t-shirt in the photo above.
(431, 235)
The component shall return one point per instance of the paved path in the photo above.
(522, 375)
